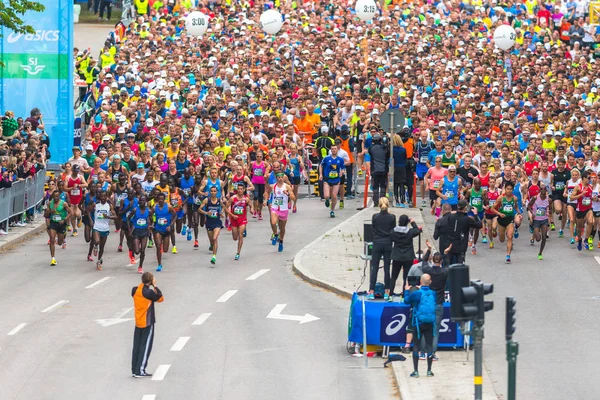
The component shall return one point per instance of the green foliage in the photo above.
(11, 13)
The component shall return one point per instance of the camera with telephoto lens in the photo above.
(405, 133)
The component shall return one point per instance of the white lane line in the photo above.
(201, 319)
(180, 343)
(597, 259)
(99, 282)
(257, 275)
(55, 306)
(149, 397)
(226, 296)
(16, 329)
(161, 372)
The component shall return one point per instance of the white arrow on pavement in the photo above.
(118, 318)
(276, 314)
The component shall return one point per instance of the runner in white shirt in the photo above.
(283, 195)
(149, 183)
(103, 213)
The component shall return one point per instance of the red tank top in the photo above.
(75, 193)
(239, 206)
(492, 197)
(485, 181)
(533, 190)
(584, 203)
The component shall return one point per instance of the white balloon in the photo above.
(271, 21)
(365, 9)
(504, 37)
(196, 23)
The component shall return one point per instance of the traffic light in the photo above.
(458, 279)
(488, 305)
(467, 297)
(510, 317)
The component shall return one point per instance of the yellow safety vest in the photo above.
(83, 65)
(107, 60)
(142, 6)
(89, 75)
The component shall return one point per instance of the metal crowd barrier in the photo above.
(22, 196)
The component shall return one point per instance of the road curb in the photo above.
(9, 245)
(308, 276)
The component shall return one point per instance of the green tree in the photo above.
(11, 13)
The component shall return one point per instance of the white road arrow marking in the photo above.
(276, 314)
(118, 318)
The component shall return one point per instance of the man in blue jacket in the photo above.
(423, 302)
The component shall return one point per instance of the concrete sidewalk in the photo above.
(333, 262)
(17, 235)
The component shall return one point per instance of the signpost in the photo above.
(392, 122)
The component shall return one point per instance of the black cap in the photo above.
(462, 204)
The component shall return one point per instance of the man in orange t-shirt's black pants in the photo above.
(144, 296)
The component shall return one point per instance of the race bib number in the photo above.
(560, 186)
(162, 221)
(436, 184)
(449, 194)
(75, 192)
(569, 191)
(213, 213)
(174, 202)
(586, 201)
(333, 175)
(277, 201)
(492, 202)
(238, 210)
(258, 172)
(56, 218)
(102, 214)
(186, 192)
(141, 222)
(507, 208)
(197, 200)
(423, 160)
(540, 212)
(476, 201)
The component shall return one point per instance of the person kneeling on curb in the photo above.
(423, 302)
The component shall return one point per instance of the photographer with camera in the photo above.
(379, 154)
(144, 296)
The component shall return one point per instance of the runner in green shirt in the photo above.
(57, 215)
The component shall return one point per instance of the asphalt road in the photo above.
(63, 352)
(557, 322)
(93, 36)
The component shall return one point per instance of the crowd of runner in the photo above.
(189, 132)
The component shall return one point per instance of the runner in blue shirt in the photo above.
(331, 170)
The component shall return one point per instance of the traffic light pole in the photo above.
(478, 350)
(478, 336)
(512, 350)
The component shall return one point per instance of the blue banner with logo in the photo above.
(386, 324)
(38, 73)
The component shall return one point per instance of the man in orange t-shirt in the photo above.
(306, 125)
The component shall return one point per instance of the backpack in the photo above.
(425, 310)
(379, 290)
